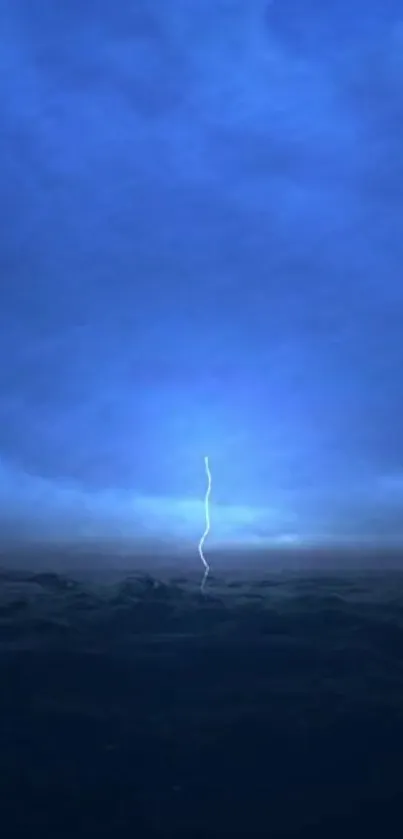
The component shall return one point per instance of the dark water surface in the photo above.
(139, 707)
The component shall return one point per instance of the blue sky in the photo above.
(201, 253)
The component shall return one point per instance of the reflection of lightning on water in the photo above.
(207, 514)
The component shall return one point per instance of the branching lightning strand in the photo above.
(207, 528)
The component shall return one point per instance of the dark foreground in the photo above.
(269, 708)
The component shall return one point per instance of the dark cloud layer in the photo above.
(268, 706)
(200, 252)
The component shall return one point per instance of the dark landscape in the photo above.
(137, 706)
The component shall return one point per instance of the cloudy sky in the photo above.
(201, 251)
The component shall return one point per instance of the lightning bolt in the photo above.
(207, 528)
